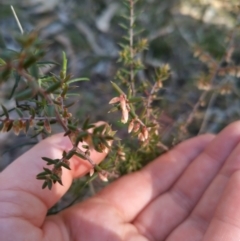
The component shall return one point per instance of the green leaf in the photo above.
(41, 177)
(49, 110)
(71, 127)
(49, 160)
(65, 165)
(20, 113)
(122, 45)
(48, 171)
(5, 111)
(60, 181)
(96, 141)
(135, 99)
(53, 87)
(64, 65)
(34, 71)
(99, 129)
(85, 124)
(70, 104)
(138, 32)
(68, 132)
(69, 155)
(80, 155)
(73, 94)
(27, 123)
(109, 138)
(77, 80)
(41, 174)
(2, 62)
(1, 125)
(126, 38)
(49, 184)
(5, 74)
(104, 141)
(32, 112)
(47, 63)
(123, 26)
(23, 95)
(57, 102)
(117, 88)
(55, 177)
(17, 79)
(29, 61)
(80, 137)
(45, 184)
(114, 109)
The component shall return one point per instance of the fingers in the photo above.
(225, 224)
(202, 214)
(174, 206)
(130, 194)
(21, 194)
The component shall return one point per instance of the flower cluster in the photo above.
(124, 106)
(137, 127)
(16, 125)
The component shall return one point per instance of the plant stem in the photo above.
(30, 118)
(204, 94)
(131, 35)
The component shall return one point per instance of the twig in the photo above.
(131, 34)
(30, 118)
(204, 94)
(17, 20)
(214, 95)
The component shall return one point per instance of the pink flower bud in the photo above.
(136, 127)
(114, 100)
(103, 176)
(124, 116)
(145, 132)
(130, 127)
(91, 172)
(141, 137)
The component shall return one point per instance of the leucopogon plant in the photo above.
(44, 99)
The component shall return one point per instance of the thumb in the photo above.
(18, 180)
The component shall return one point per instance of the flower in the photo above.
(124, 116)
(136, 127)
(103, 176)
(114, 100)
(123, 105)
(145, 132)
(141, 136)
(130, 127)
(91, 172)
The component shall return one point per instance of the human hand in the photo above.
(190, 193)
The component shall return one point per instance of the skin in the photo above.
(190, 193)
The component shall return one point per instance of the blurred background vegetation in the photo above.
(89, 32)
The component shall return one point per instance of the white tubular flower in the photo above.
(103, 176)
(91, 172)
(145, 132)
(136, 127)
(124, 116)
(141, 137)
(123, 105)
(130, 127)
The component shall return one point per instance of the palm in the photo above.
(190, 194)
